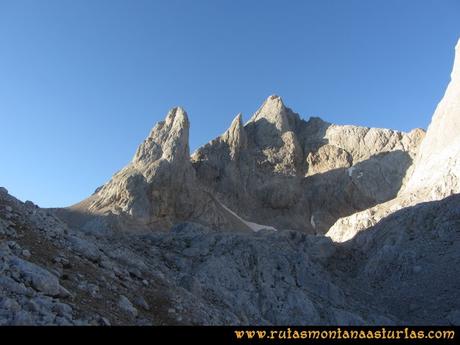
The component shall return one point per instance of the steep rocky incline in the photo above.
(438, 165)
(408, 263)
(156, 190)
(435, 173)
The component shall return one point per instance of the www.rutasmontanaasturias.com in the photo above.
(340, 333)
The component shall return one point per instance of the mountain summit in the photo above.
(168, 140)
(277, 171)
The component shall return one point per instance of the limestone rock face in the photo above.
(277, 171)
(328, 157)
(156, 185)
(290, 173)
(158, 188)
(235, 137)
(435, 173)
(168, 141)
(363, 143)
(273, 118)
(438, 163)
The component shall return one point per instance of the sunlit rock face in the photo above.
(437, 167)
(435, 173)
(156, 190)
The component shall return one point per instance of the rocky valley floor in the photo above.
(51, 274)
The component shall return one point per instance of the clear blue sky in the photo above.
(82, 82)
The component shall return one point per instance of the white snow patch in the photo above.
(253, 226)
(350, 171)
(312, 221)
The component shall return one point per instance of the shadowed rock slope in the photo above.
(403, 270)
(281, 170)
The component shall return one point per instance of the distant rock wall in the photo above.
(276, 171)
(288, 171)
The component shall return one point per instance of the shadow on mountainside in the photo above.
(341, 192)
(266, 181)
(263, 180)
(408, 263)
(311, 204)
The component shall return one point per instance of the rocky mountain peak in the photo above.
(274, 112)
(159, 187)
(235, 136)
(168, 140)
(271, 121)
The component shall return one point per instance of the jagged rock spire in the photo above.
(235, 136)
(271, 121)
(168, 139)
(273, 111)
(151, 186)
(159, 187)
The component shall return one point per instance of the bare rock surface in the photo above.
(196, 275)
(283, 171)
(435, 173)
(276, 171)
(190, 275)
(156, 190)
(438, 163)
(410, 261)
